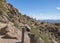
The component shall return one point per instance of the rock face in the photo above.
(2, 28)
(9, 31)
(11, 22)
(12, 32)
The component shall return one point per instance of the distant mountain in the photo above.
(51, 21)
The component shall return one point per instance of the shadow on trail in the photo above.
(17, 42)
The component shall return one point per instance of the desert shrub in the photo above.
(2, 6)
(42, 22)
(1, 13)
(10, 15)
(15, 24)
(57, 24)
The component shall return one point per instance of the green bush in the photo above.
(15, 24)
(2, 6)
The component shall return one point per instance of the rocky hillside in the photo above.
(11, 22)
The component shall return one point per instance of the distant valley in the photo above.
(51, 21)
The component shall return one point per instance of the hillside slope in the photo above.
(44, 32)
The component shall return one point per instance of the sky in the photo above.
(39, 9)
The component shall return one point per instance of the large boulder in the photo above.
(9, 31)
(12, 32)
(10, 35)
(3, 26)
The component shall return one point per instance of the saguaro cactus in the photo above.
(23, 30)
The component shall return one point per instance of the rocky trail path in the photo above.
(4, 40)
(12, 34)
(7, 40)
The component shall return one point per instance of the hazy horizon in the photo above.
(39, 9)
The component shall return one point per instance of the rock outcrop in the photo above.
(2, 28)
(11, 22)
(9, 31)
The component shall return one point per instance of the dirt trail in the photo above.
(2, 40)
